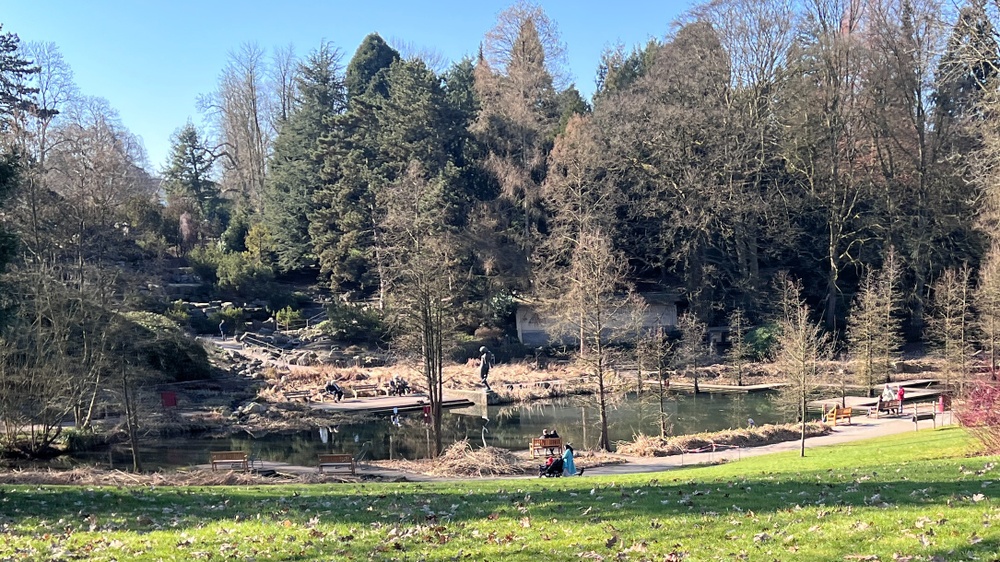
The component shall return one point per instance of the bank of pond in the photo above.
(406, 436)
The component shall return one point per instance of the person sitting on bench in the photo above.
(335, 390)
(398, 386)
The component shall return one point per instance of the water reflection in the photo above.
(575, 418)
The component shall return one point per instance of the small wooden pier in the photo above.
(913, 395)
(685, 386)
(386, 404)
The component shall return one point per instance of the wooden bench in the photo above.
(888, 407)
(835, 414)
(235, 459)
(927, 415)
(541, 446)
(337, 461)
(304, 395)
(359, 389)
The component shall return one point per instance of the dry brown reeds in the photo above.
(461, 460)
(654, 446)
(97, 477)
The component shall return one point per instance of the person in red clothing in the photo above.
(899, 396)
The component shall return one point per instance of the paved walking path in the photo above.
(861, 428)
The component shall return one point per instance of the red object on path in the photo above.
(169, 399)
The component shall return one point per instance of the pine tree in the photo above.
(188, 177)
(295, 165)
(372, 56)
(15, 94)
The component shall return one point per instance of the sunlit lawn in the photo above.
(906, 497)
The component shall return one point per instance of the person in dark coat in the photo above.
(485, 362)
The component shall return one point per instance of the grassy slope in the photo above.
(910, 495)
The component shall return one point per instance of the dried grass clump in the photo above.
(460, 459)
(648, 446)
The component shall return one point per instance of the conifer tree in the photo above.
(295, 165)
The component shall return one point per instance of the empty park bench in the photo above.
(359, 389)
(542, 446)
(888, 407)
(336, 461)
(235, 459)
(838, 414)
(304, 395)
(927, 415)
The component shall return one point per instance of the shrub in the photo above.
(178, 312)
(979, 412)
(286, 316)
(762, 341)
(205, 262)
(354, 324)
(240, 275)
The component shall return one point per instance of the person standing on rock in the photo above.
(485, 362)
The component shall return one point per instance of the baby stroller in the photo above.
(551, 470)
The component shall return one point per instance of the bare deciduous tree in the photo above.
(873, 327)
(987, 302)
(594, 306)
(950, 325)
(801, 347)
(239, 108)
(423, 284)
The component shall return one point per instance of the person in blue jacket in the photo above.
(569, 467)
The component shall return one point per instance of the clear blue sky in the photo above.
(152, 58)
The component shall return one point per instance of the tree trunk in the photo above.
(131, 421)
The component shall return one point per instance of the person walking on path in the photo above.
(222, 329)
(899, 396)
(569, 467)
(485, 362)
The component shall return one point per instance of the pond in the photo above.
(511, 427)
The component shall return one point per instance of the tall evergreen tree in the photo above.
(372, 56)
(15, 93)
(188, 176)
(405, 120)
(295, 166)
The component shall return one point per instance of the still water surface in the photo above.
(511, 427)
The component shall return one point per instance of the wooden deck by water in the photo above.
(708, 387)
(863, 402)
(386, 404)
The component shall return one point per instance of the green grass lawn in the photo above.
(914, 496)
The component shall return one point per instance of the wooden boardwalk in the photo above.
(863, 402)
(720, 388)
(386, 404)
